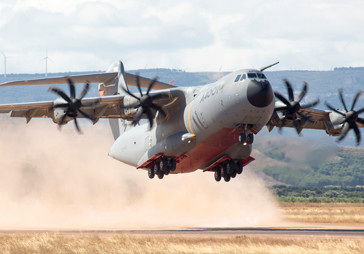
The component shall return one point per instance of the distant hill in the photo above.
(296, 162)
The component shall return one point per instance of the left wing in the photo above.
(108, 107)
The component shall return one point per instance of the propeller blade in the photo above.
(137, 79)
(86, 115)
(84, 91)
(357, 134)
(61, 122)
(282, 99)
(312, 104)
(138, 117)
(132, 95)
(305, 117)
(303, 93)
(360, 111)
(356, 99)
(360, 120)
(150, 117)
(151, 85)
(158, 108)
(296, 126)
(72, 88)
(333, 109)
(76, 124)
(60, 93)
(342, 99)
(289, 89)
(344, 132)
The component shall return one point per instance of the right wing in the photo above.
(106, 78)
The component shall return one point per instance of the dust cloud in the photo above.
(62, 180)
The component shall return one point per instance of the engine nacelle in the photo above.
(127, 101)
(58, 113)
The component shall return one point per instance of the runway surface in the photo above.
(208, 232)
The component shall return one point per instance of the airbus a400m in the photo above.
(210, 127)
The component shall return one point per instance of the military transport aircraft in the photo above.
(208, 127)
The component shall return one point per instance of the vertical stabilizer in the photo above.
(115, 87)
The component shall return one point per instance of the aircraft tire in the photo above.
(231, 169)
(217, 175)
(227, 178)
(160, 175)
(163, 164)
(151, 172)
(239, 167)
(167, 171)
(172, 164)
(223, 169)
(157, 167)
(250, 138)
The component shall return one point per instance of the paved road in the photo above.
(206, 232)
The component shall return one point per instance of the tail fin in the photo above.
(115, 87)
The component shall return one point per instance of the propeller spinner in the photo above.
(351, 117)
(73, 104)
(145, 103)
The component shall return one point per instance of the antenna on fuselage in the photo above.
(266, 67)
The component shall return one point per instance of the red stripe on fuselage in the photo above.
(207, 150)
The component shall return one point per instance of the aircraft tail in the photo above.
(115, 87)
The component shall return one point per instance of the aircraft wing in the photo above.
(108, 107)
(320, 120)
(106, 77)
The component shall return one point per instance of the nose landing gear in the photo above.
(245, 139)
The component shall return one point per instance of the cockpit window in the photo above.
(237, 78)
(252, 75)
(261, 75)
(243, 77)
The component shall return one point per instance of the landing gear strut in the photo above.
(245, 139)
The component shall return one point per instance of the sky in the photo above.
(190, 35)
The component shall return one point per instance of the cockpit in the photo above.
(249, 75)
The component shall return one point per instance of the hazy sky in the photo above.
(192, 35)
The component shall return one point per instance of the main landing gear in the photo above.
(228, 169)
(161, 167)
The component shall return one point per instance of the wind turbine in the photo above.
(4, 63)
(46, 63)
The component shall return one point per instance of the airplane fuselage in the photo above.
(207, 125)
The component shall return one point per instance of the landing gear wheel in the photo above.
(242, 138)
(231, 169)
(167, 171)
(163, 163)
(160, 174)
(227, 178)
(218, 175)
(172, 164)
(239, 167)
(250, 138)
(223, 169)
(151, 172)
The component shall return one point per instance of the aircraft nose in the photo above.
(259, 93)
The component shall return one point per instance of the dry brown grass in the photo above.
(53, 243)
(324, 212)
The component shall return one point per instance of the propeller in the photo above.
(73, 104)
(292, 106)
(351, 117)
(145, 102)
